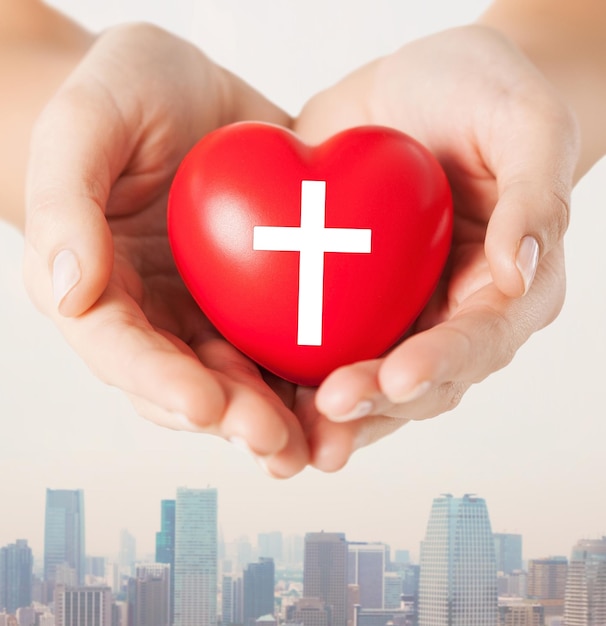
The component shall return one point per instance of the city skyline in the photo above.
(147, 546)
(263, 541)
(329, 577)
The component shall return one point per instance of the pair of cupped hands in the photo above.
(98, 261)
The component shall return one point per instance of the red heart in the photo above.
(371, 209)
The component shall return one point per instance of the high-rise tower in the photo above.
(366, 568)
(585, 603)
(508, 550)
(165, 546)
(196, 557)
(16, 564)
(258, 590)
(325, 572)
(64, 535)
(458, 575)
(149, 595)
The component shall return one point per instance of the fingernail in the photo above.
(66, 274)
(527, 260)
(241, 444)
(412, 394)
(362, 409)
(182, 422)
(263, 465)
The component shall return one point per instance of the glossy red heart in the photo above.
(308, 258)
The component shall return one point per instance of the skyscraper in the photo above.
(325, 572)
(258, 590)
(128, 552)
(458, 575)
(508, 550)
(196, 557)
(366, 568)
(547, 583)
(149, 595)
(64, 535)
(585, 603)
(270, 545)
(228, 600)
(165, 546)
(16, 563)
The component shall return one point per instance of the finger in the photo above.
(255, 416)
(332, 444)
(533, 150)
(122, 349)
(428, 373)
(480, 338)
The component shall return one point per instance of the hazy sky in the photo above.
(530, 439)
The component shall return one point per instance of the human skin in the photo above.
(477, 330)
(107, 181)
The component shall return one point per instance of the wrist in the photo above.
(566, 42)
(38, 49)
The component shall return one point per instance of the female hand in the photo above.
(509, 148)
(97, 257)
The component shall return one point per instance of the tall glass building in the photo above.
(165, 546)
(585, 603)
(196, 544)
(64, 535)
(458, 574)
(16, 565)
(508, 549)
(258, 585)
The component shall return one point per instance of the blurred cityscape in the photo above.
(466, 575)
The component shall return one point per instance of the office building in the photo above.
(366, 568)
(458, 576)
(381, 617)
(165, 546)
(325, 572)
(508, 552)
(128, 553)
(196, 557)
(270, 545)
(83, 606)
(513, 585)
(393, 590)
(149, 595)
(519, 612)
(547, 583)
(258, 584)
(64, 537)
(231, 610)
(309, 612)
(585, 603)
(16, 565)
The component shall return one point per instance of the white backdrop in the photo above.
(530, 439)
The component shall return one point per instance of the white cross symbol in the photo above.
(312, 239)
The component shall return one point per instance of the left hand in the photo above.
(509, 148)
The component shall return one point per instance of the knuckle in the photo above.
(451, 394)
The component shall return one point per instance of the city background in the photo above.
(467, 574)
(530, 439)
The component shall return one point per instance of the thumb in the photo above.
(534, 171)
(68, 244)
